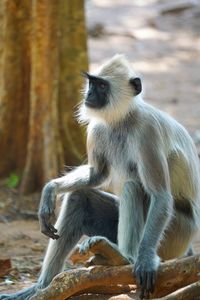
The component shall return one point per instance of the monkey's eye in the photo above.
(102, 85)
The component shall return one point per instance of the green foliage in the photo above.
(13, 181)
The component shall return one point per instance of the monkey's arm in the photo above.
(154, 175)
(83, 176)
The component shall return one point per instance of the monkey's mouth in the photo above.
(90, 104)
(93, 104)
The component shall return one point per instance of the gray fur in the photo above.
(88, 211)
(149, 161)
(132, 230)
(146, 146)
(83, 212)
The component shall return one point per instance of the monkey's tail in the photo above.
(21, 295)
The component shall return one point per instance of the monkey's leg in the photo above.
(178, 236)
(87, 211)
(132, 213)
(57, 250)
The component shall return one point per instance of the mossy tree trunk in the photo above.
(44, 51)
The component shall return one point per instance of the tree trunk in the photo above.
(44, 155)
(14, 84)
(43, 46)
(72, 61)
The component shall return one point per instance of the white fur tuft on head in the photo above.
(118, 65)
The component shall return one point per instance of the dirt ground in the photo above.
(164, 48)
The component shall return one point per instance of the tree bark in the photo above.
(189, 292)
(58, 55)
(186, 274)
(73, 60)
(171, 276)
(14, 83)
(108, 290)
(43, 51)
(44, 154)
(72, 282)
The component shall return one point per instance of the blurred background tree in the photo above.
(42, 53)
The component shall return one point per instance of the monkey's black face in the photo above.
(98, 92)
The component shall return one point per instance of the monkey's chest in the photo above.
(123, 168)
(122, 159)
(118, 148)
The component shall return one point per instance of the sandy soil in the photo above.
(165, 51)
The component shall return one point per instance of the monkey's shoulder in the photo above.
(156, 122)
(158, 119)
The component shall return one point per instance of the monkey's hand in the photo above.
(46, 211)
(145, 269)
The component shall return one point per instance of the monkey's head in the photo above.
(110, 92)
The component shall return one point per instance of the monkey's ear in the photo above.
(85, 74)
(137, 85)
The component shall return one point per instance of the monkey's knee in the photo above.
(75, 210)
(77, 201)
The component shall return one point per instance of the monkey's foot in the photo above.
(21, 295)
(86, 245)
(12, 297)
(4, 297)
(102, 248)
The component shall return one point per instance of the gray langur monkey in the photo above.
(149, 162)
